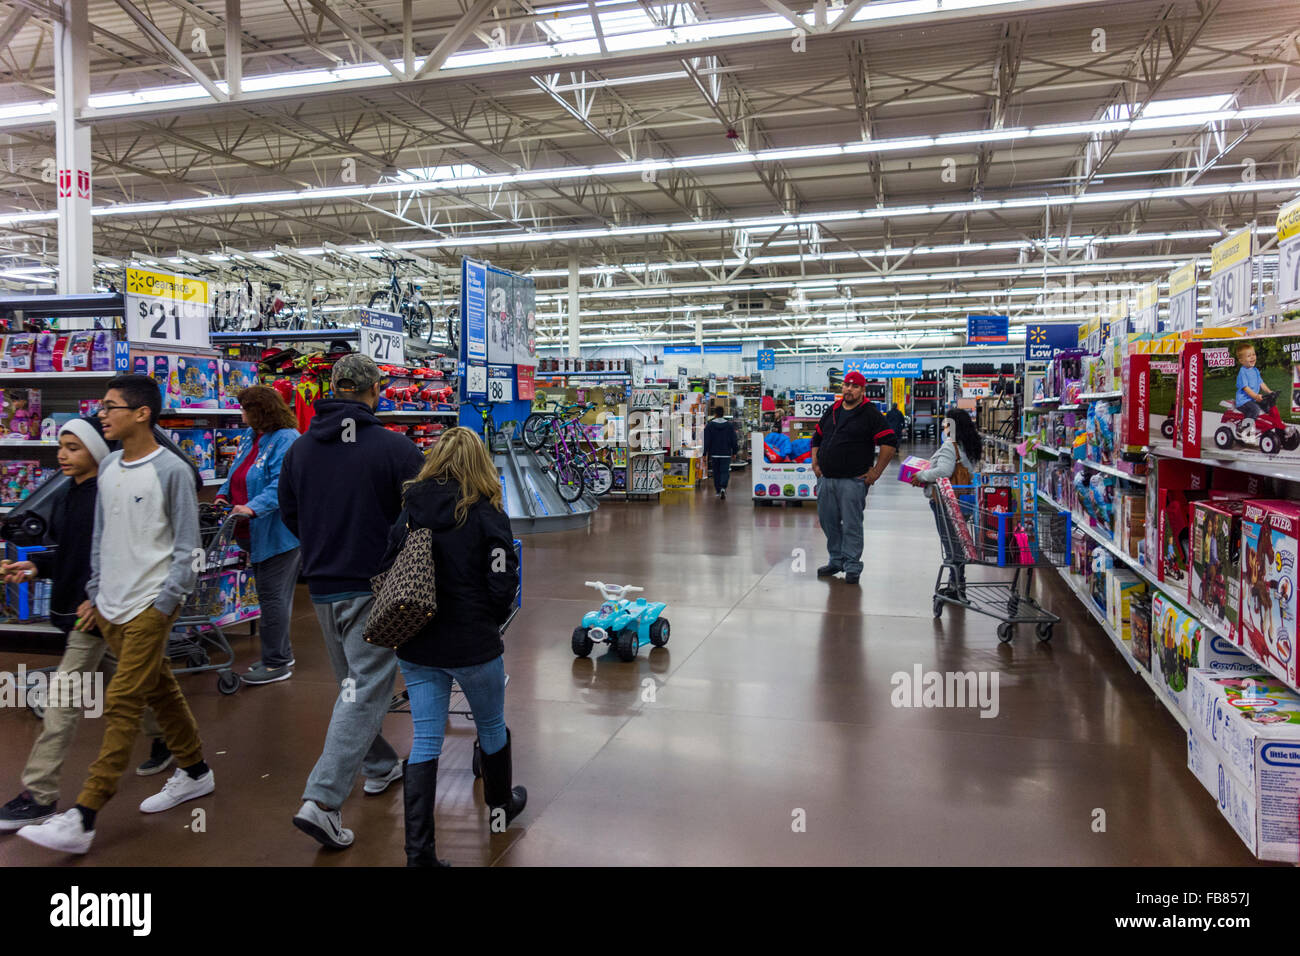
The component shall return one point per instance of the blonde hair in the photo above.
(461, 456)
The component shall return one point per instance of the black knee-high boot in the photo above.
(419, 788)
(498, 790)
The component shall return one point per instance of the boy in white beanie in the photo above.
(81, 449)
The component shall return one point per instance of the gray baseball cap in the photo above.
(355, 373)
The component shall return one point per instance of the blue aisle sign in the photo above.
(474, 310)
(884, 367)
(122, 355)
(722, 349)
(1043, 342)
(766, 360)
(987, 329)
(681, 350)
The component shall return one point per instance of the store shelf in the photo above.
(546, 375)
(199, 412)
(54, 376)
(213, 482)
(1108, 470)
(41, 628)
(1047, 400)
(1258, 466)
(396, 414)
(1052, 449)
(23, 443)
(1098, 396)
(1068, 408)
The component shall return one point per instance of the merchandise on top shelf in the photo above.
(1244, 746)
(20, 419)
(1132, 432)
(1215, 585)
(19, 353)
(1269, 530)
(1162, 391)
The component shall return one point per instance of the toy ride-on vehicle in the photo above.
(624, 623)
(1268, 431)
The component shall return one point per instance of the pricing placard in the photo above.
(812, 405)
(1182, 299)
(1231, 272)
(166, 309)
(382, 337)
(500, 383)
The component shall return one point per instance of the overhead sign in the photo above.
(473, 310)
(166, 309)
(884, 367)
(511, 318)
(722, 349)
(1288, 254)
(681, 350)
(1230, 277)
(987, 329)
(766, 360)
(382, 337)
(1043, 342)
(1182, 299)
(1147, 318)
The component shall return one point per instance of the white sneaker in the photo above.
(325, 826)
(63, 831)
(177, 790)
(374, 785)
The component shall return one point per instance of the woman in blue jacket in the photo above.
(252, 490)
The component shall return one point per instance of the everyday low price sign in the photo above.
(1043, 342)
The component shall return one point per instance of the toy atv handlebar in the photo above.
(612, 592)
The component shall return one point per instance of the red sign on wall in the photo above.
(65, 183)
(83, 183)
(524, 381)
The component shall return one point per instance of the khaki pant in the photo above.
(144, 677)
(82, 655)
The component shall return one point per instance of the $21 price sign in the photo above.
(166, 309)
(382, 337)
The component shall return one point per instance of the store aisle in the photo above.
(770, 707)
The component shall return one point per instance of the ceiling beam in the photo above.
(151, 30)
(356, 37)
(454, 38)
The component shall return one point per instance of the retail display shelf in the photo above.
(1051, 449)
(1108, 470)
(1254, 466)
(199, 412)
(399, 414)
(54, 376)
(1068, 408)
(26, 443)
(213, 482)
(1047, 400)
(42, 628)
(546, 375)
(1098, 396)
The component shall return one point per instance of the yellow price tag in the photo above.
(1288, 221)
(1236, 249)
(166, 285)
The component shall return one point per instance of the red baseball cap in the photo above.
(855, 378)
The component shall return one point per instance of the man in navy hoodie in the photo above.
(340, 492)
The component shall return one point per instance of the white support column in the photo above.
(234, 50)
(575, 313)
(72, 147)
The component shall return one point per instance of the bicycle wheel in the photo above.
(537, 427)
(422, 320)
(382, 301)
(597, 476)
(568, 480)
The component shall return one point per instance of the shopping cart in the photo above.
(1023, 540)
(195, 638)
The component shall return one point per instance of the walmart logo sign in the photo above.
(1043, 342)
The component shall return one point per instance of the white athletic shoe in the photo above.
(374, 785)
(325, 826)
(177, 790)
(63, 831)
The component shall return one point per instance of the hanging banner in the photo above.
(766, 360)
(524, 384)
(1043, 342)
(899, 385)
(473, 310)
(987, 329)
(1182, 299)
(1230, 277)
(1288, 254)
(884, 367)
(1146, 318)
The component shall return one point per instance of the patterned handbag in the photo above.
(405, 601)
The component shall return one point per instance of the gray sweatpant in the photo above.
(840, 504)
(365, 674)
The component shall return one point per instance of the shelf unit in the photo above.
(200, 412)
(1108, 470)
(56, 376)
(1099, 396)
(26, 443)
(416, 415)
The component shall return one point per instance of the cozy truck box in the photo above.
(1269, 532)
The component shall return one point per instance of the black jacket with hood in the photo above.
(72, 523)
(341, 490)
(476, 575)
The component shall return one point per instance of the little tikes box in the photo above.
(1269, 531)
(912, 465)
(1250, 723)
(1215, 586)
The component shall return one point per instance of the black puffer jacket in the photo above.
(475, 581)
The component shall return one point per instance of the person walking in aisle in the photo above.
(720, 446)
(340, 492)
(457, 496)
(895, 420)
(956, 459)
(67, 565)
(253, 492)
(844, 461)
(142, 567)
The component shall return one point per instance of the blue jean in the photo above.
(840, 504)
(429, 689)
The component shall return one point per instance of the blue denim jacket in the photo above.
(269, 535)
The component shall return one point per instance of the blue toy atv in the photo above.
(624, 623)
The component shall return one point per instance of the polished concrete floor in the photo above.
(763, 733)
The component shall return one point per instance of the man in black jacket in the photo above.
(844, 461)
(720, 446)
(895, 419)
(340, 492)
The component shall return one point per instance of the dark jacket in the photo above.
(341, 490)
(846, 440)
(720, 439)
(476, 575)
(895, 419)
(67, 565)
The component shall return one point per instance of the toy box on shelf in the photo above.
(87, 351)
(20, 419)
(1180, 643)
(1269, 530)
(1215, 586)
(225, 443)
(21, 478)
(1244, 746)
(199, 445)
(1140, 628)
(235, 377)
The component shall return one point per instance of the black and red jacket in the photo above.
(846, 440)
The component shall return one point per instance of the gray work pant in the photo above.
(840, 504)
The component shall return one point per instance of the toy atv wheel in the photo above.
(582, 642)
(1223, 438)
(659, 632)
(1291, 439)
(1167, 428)
(1269, 443)
(938, 607)
(626, 644)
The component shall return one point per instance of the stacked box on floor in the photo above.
(1243, 744)
(1180, 644)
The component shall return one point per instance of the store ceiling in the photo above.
(699, 83)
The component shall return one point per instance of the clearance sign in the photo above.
(163, 309)
(1288, 254)
(1230, 277)
(167, 286)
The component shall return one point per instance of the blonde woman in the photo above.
(457, 496)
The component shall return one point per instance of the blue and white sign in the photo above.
(766, 360)
(476, 381)
(122, 355)
(473, 309)
(987, 329)
(382, 337)
(884, 367)
(812, 404)
(500, 383)
(681, 350)
(722, 349)
(1043, 342)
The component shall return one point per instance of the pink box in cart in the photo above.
(911, 466)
